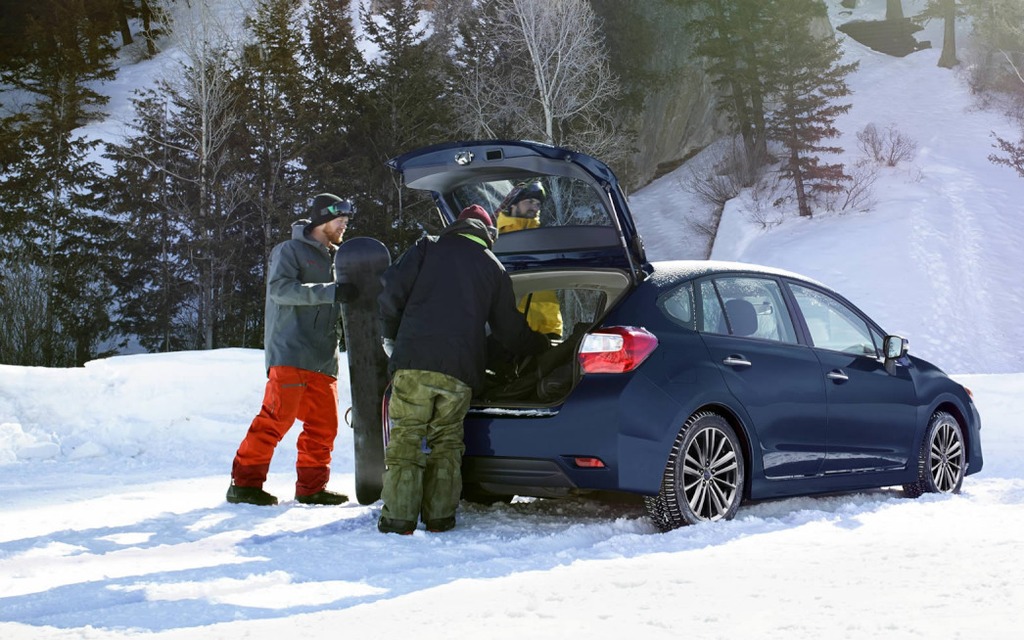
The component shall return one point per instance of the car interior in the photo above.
(584, 299)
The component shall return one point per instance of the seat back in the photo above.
(742, 317)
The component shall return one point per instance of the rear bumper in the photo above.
(517, 476)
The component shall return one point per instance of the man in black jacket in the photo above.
(438, 300)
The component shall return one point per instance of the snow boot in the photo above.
(402, 527)
(250, 495)
(323, 497)
(440, 524)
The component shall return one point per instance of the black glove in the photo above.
(345, 292)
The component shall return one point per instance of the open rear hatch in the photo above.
(586, 248)
(585, 222)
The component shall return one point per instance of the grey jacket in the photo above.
(302, 326)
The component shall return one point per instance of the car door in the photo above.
(751, 338)
(871, 411)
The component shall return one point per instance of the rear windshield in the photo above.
(567, 202)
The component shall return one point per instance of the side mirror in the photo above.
(894, 348)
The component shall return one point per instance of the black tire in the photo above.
(703, 477)
(942, 462)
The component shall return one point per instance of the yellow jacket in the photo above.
(542, 310)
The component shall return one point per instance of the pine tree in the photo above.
(151, 283)
(806, 81)
(191, 134)
(948, 12)
(401, 105)
(482, 69)
(329, 106)
(274, 102)
(732, 36)
(47, 191)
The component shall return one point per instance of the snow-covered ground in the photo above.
(113, 523)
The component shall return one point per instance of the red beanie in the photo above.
(476, 212)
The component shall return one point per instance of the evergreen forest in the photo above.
(158, 240)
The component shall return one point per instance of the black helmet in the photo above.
(527, 190)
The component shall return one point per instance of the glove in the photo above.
(388, 344)
(345, 292)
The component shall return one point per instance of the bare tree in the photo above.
(547, 76)
(886, 148)
(1014, 157)
(23, 290)
(205, 94)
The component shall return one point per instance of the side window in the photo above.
(678, 305)
(713, 319)
(746, 306)
(833, 325)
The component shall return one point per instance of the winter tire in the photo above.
(942, 462)
(703, 477)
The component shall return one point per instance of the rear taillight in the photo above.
(616, 349)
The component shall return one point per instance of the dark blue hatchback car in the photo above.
(695, 384)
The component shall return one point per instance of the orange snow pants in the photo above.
(292, 394)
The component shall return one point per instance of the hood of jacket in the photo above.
(470, 227)
(299, 232)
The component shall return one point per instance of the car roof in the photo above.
(668, 271)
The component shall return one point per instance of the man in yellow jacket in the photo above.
(521, 210)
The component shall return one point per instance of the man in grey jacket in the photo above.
(301, 337)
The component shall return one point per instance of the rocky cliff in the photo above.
(669, 97)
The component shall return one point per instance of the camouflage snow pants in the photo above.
(424, 481)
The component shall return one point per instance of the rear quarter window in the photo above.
(678, 306)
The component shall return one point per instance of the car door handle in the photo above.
(736, 361)
(837, 376)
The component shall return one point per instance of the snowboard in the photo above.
(361, 261)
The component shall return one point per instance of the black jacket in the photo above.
(438, 300)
